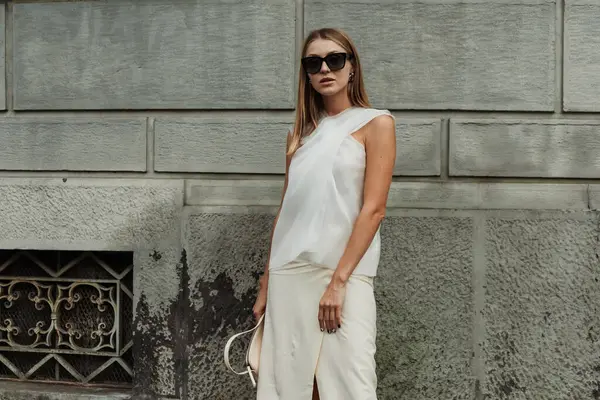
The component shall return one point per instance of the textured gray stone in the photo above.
(436, 195)
(425, 307)
(594, 194)
(102, 145)
(2, 61)
(244, 145)
(225, 253)
(456, 54)
(255, 144)
(114, 54)
(91, 214)
(525, 148)
(418, 145)
(542, 307)
(581, 56)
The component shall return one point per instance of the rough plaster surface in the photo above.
(226, 254)
(581, 56)
(436, 195)
(542, 308)
(425, 308)
(102, 145)
(114, 54)
(474, 55)
(517, 148)
(95, 214)
(257, 144)
(2, 60)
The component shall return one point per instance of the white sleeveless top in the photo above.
(325, 195)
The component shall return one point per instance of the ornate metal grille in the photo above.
(66, 316)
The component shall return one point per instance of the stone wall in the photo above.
(158, 127)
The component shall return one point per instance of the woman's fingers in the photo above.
(322, 317)
(338, 317)
(330, 318)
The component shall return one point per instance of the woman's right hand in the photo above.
(260, 305)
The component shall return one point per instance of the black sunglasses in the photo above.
(335, 62)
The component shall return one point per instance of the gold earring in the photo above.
(351, 78)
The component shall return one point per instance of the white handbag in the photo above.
(253, 352)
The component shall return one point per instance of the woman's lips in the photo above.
(326, 80)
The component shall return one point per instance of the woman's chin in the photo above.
(329, 91)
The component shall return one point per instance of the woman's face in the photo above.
(328, 80)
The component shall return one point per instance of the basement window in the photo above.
(66, 317)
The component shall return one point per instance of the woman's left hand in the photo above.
(330, 306)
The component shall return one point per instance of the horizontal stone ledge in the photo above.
(89, 214)
(524, 148)
(436, 195)
(73, 144)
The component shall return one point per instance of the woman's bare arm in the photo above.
(380, 147)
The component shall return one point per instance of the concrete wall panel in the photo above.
(111, 55)
(542, 307)
(457, 54)
(71, 145)
(425, 307)
(2, 59)
(222, 292)
(516, 148)
(423, 294)
(581, 56)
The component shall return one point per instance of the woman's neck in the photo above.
(336, 104)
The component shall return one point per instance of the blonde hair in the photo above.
(310, 103)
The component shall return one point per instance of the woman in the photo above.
(317, 289)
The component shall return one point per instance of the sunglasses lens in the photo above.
(336, 61)
(312, 65)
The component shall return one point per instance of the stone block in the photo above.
(425, 306)
(152, 55)
(71, 145)
(439, 54)
(2, 60)
(542, 306)
(581, 56)
(221, 144)
(418, 144)
(143, 216)
(255, 144)
(525, 148)
(226, 250)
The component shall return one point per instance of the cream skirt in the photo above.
(294, 349)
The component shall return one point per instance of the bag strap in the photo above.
(228, 346)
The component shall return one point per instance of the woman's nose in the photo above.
(324, 67)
